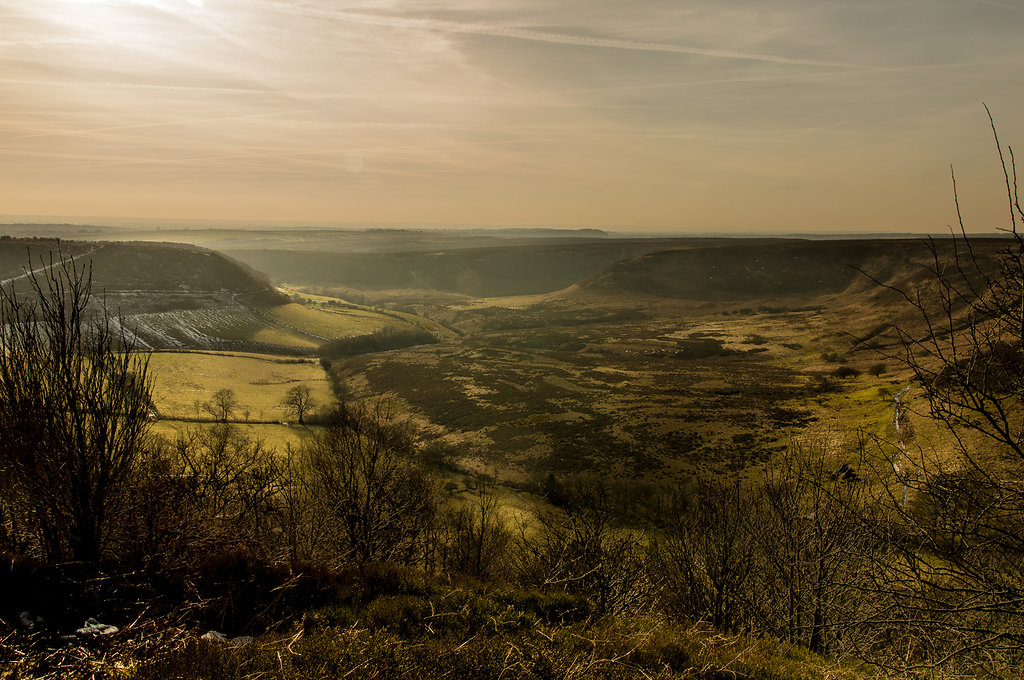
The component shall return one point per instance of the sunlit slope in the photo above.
(183, 381)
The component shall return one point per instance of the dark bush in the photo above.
(844, 372)
(379, 341)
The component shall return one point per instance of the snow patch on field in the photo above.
(193, 327)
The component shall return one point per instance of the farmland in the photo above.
(182, 381)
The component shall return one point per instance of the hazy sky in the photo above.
(706, 115)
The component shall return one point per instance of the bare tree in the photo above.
(74, 396)
(221, 405)
(299, 400)
(234, 484)
(583, 548)
(477, 536)
(811, 575)
(955, 531)
(707, 555)
(362, 472)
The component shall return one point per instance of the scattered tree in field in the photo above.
(74, 396)
(221, 405)
(299, 401)
(844, 372)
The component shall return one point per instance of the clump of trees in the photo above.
(221, 405)
(387, 338)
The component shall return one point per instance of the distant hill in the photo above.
(119, 266)
(693, 269)
(478, 272)
(745, 271)
(314, 239)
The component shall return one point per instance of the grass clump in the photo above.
(633, 648)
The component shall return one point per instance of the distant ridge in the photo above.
(743, 270)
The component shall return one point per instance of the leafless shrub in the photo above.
(812, 575)
(234, 482)
(74, 396)
(378, 503)
(955, 509)
(707, 555)
(475, 537)
(582, 548)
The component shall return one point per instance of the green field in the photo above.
(328, 324)
(275, 437)
(182, 381)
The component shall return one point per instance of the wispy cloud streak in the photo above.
(142, 126)
(456, 27)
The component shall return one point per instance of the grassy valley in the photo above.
(526, 455)
(641, 358)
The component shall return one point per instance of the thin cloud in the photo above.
(444, 26)
(52, 82)
(159, 124)
(1001, 5)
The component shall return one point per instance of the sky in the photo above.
(709, 116)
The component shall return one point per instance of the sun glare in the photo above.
(126, 23)
(166, 5)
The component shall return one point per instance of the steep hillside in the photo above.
(742, 271)
(120, 269)
(181, 296)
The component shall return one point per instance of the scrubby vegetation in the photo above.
(378, 341)
(373, 547)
